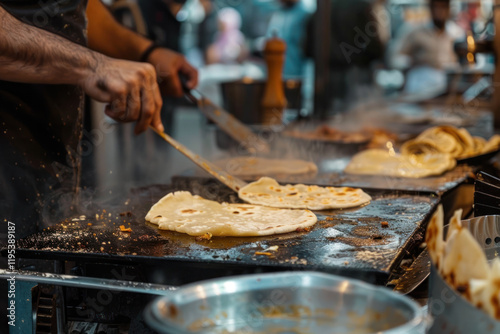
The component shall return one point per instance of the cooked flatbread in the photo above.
(479, 145)
(492, 144)
(448, 139)
(383, 162)
(194, 215)
(462, 263)
(251, 166)
(463, 260)
(434, 237)
(485, 293)
(268, 192)
(455, 224)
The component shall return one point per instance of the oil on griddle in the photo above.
(355, 242)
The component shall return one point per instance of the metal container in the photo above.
(451, 312)
(284, 303)
(243, 98)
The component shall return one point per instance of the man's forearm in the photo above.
(109, 37)
(32, 55)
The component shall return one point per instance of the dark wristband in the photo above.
(147, 52)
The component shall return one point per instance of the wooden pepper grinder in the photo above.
(274, 101)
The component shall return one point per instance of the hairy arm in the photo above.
(109, 37)
(32, 55)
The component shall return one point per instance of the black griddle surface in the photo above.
(350, 242)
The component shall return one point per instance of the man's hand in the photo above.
(169, 66)
(130, 88)
(32, 55)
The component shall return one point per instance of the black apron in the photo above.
(40, 129)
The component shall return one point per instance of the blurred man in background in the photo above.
(427, 51)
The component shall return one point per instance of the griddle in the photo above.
(349, 242)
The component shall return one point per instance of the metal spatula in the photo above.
(228, 123)
(226, 178)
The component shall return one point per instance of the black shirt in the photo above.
(40, 128)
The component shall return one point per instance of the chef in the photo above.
(51, 54)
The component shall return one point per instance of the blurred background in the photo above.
(346, 61)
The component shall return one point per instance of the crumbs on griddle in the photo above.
(204, 237)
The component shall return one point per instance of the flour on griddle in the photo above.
(269, 192)
(194, 215)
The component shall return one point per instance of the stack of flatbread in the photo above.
(451, 140)
(433, 152)
(384, 162)
(256, 166)
(463, 264)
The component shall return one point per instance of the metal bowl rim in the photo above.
(417, 312)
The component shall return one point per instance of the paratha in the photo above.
(196, 216)
(251, 166)
(448, 139)
(492, 144)
(266, 191)
(383, 162)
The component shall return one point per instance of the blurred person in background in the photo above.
(356, 48)
(290, 24)
(427, 51)
(229, 46)
(161, 21)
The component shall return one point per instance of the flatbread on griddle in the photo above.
(251, 166)
(194, 215)
(383, 162)
(268, 192)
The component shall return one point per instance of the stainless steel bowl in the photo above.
(285, 303)
(452, 313)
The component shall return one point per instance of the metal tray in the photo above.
(451, 312)
(288, 302)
